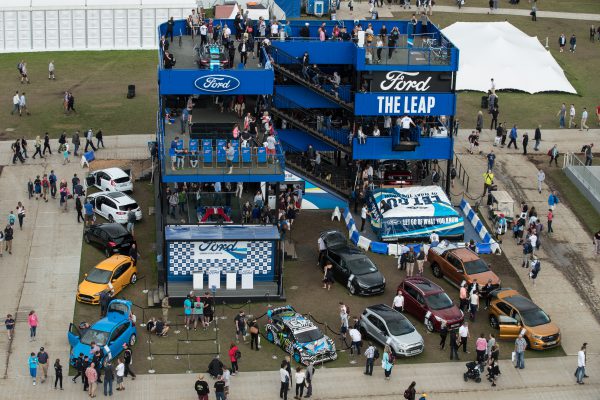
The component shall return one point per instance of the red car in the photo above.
(429, 303)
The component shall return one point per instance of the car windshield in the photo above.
(439, 301)
(399, 326)
(361, 266)
(535, 317)
(99, 276)
(476, 267)
(93, 335)
(308, 336)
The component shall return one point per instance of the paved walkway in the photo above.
(570, 246)
(42, 274)
(361, 10)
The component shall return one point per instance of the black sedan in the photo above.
(111, 238)
(351, 267)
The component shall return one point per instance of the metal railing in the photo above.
(582, 173)
(461, 173)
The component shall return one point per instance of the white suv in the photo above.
(114, 206)
(110, 180)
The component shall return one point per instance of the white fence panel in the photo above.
(65, 25)
(24, 30)
(107, 38)
(79, 29)
(52, 30)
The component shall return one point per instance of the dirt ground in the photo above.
(303, 290)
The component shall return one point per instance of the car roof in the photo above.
(424, 285)
(119, 197)
(114, 229)
(520, 302)
(297, 323)
(113, 172)
(385, 311)
(465, 254)
(112, 262)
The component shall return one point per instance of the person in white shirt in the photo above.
(580, 372)
(274, 29)
(16, 101)
(474, 304)
(434, 237)
(572, 123)
(463, 333)
(51, 70)
(387, 124)
(533, 240)
(203, 33)
(405, 123)
(362, 138)
(299, 377)
(322, 250)
(541, 176)
(356, 338)
(376, 131)
(363, 217)
(398, 302)
(120, 370)
(584, 117)
(23, 105)
(284, 377)
(370, 355)
(493, 85)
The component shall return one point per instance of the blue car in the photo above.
(298, 336)
(115, 329)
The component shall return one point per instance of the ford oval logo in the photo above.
(217, 83)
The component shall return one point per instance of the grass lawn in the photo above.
(573, 6)
(571, 196)
(529, 110)
(98, 81)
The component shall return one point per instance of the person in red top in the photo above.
(598, 114)
(550, 218)
(234, 354)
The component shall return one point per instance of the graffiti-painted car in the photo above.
(298, 336)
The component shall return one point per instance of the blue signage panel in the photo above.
(404, 104)
(207, 82)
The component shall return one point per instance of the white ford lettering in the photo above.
(396, 80)
(217, 83)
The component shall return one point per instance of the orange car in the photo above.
(513, 313)
(459, 264)
(114, 274)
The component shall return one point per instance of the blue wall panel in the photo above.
(290, 7)
(329, 52)
(380, 148)
(241, 81)
(303, 97)
(294, 139)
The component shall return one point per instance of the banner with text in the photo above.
(405, 104)
(415, 81)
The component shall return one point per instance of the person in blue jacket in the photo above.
(553, 200)
(513, 137)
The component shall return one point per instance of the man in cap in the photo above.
(42, 357)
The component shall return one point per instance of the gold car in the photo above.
(114, 274)
(513, 313)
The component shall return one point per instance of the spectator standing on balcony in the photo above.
(393, 41)
(271, 143)
(243, 48)
(405, 124)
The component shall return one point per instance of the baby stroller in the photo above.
(474, 371)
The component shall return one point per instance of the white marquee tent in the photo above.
(39, 25)
(501, 51)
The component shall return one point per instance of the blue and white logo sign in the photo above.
(219, 250)
(217, 83)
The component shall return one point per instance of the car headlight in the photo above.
(362, 285)
(537, 337)
(384, 279)
(462, 313)
(438, 319)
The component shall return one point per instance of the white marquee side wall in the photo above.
(83, 29)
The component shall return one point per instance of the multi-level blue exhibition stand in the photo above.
(410, 73)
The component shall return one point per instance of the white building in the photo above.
(41, 25)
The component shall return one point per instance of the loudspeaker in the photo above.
(130, 91)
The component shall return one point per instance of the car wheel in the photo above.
(465, 377)
(133, 279)
(436, 270)
(107, 252)
(110, 218)
(297, 356)
(86, 238)
(132, 340)
(494, 322)
(270, 336)
(478, 379)
(429, 325)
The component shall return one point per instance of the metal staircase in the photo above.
(305, 120)
(282, 62)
